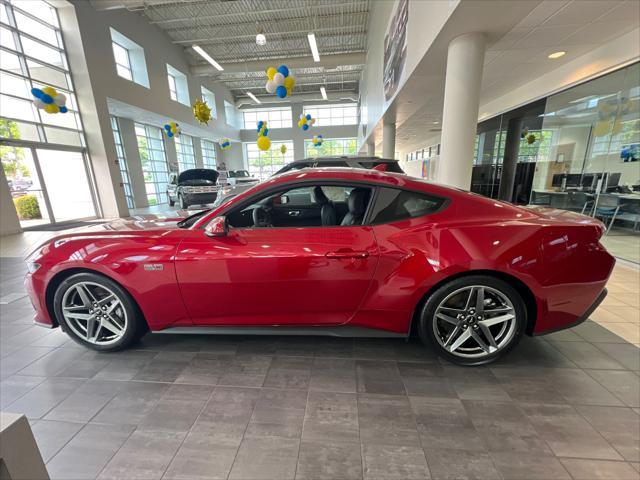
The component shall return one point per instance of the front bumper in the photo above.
(35, 288)
(200, 198)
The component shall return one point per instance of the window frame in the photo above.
(126, 67)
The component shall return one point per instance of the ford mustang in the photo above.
(333, 251)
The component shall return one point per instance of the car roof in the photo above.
(357, 158)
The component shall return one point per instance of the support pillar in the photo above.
(197, 152)
(371, 149)
(465, 59)
(389, 140)
(510, 160)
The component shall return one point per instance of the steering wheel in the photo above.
(261, 217)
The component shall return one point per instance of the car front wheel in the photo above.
(473, 320)
(97, 313)
(183, 204)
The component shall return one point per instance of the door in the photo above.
(277, 275)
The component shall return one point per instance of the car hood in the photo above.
(198, 176)
(132, 224)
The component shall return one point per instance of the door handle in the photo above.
(347, 254)
(294, 213)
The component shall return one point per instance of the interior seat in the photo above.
(357, 203)
(327, 210)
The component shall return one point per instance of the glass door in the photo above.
(47, 186)
(25, 185)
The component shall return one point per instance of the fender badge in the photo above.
(153, 267)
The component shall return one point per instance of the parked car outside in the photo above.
(196, 186)
(345, 252)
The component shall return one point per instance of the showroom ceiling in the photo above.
(227, 30)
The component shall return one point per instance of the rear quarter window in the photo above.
(393, 205)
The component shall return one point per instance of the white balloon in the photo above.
(60, 99)
(279, 79)
(302, 115)
(312, 121)
(38, 103)
(271, 86)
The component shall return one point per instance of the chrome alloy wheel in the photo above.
(474, 322)
(94, 313)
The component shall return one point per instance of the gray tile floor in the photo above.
(198, 407)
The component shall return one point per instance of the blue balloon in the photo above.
(169, 134)
(167, 128)
(46, 98)
(305, 127)
(283, 70)
(266, 132)
(308, 116)
(63, 109)
(281, 91)
(260, 123)
(36, 92)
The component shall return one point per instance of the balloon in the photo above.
(264, 143)
(36, 92)
(201, 112)
(271, 86)
(63, 109)
(288, 91)
(265, 132)
(281, 91)
(283, 149)
(279, 79)
(39, 103)
(308, 117)
(271, 71)
(305, 127)
(289, 82)
(51, 108)
(283, 70)
(60, 99)
(50, 91)
(225, 143)
(46, 98)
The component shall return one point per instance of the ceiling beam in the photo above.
(326, 61)
(281, 12)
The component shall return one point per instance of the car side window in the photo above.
(309, 206)
(393, 205)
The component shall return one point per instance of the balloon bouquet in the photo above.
(49, 100)
(264, 143)
(172, 129)
(280, 81)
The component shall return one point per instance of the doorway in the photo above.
(48, 186)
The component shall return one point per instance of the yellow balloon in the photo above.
(283, 149)
(51, 108)
(50, 91)
(289, 82)
(271, 72)
(288, 92)
(264, 143)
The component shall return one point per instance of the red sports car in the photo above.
(330, 252)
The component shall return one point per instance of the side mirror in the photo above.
(284, 199)
(217, 227)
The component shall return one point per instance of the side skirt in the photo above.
(345, 331)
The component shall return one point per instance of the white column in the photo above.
(371, 149)
(465, 59)
(389, 140)
(197, 151)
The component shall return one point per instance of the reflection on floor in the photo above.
(197, 407)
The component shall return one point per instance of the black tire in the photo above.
(171, 201)
(135, 325)
(427, 318)
(183, 204)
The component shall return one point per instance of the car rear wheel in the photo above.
(97, 313)
(473, 320)
(183, 204)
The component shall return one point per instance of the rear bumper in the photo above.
(585, 316)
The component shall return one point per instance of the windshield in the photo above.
(238, 173)
(191, 219)
(222, 199)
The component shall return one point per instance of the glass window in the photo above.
(327, 115)
(210, 98)
(122, 162)
(36, 29)
(154, 162)
(209, 154)
(392, 205)
(331, 147)
(279, 117)
(230, 113)
(184, 149)
(178, 88)
(262, 165)
(173, 89)
(123, 64)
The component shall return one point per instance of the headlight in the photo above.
(32, 267)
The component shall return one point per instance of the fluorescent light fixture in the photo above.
(314, 46)
(323, 91)
(207, 57)
(253, 97)
(559, 54)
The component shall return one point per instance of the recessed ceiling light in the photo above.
(436, 122)
(207, 57)
(559, 54)
(260, 38)
(314, 47)
(253, 97)
(323, 91)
